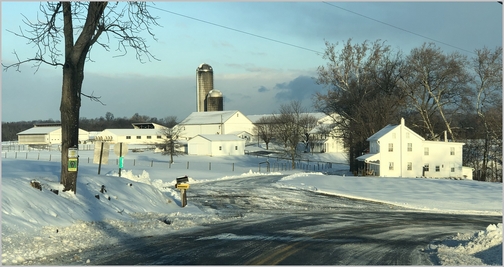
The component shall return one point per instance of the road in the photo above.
(272, 226)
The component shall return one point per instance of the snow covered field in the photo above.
(143, 201)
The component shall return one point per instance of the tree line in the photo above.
(11, 129)
(369, 85)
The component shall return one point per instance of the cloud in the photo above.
(262, 89)
(300, 88)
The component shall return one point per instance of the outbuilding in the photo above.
(47, 135)
(216, 145)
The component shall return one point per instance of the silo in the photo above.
(214, 101)
(204, 84)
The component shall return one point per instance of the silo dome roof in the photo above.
(204, 67)
(215, 93)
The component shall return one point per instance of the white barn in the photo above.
(397, 151)
(131, 136)
(216, 145)
(47, 135)
(215, 122)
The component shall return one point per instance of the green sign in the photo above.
(121, 162)
(72, 165)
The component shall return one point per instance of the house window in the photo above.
(390, 147)
(220, 147)
(149, 137)
(452, 169)
(426, 151)
(393, 135)
(452, 151)
(128, 137)
(437, 168)
(391, 166)
(236, 147)
(410, 147)
(426, 167)
(159, 137)
(407, 135)
(139, 137)
(410, 166)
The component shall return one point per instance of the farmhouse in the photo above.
(216, 145)
(397, 151)
(215, 122)
(321, 137)
(47, 134)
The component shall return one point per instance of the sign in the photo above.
(72, 153)
(72, 164)
(182, 186)
(121, 162)
(117, 149)
(104, 153)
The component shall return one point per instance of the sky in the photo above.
(263, 54)
(45, 223)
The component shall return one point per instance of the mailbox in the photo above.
(183, 179)
(182, 186)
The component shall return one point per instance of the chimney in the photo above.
(402, 121)
(445, 137)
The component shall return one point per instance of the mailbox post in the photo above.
(182, 185)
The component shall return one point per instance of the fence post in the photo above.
(188, 165)
(38, 157)
(26, 155)
(50, 157)
(152, 163)
(209, 166)
(15, 156)
(134, 162)
(233, 166)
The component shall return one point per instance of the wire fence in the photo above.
(263, 164)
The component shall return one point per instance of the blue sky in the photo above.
(254, 74)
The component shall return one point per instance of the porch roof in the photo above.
(369, 158)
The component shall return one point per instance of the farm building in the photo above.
(42, 134)
(216, 145)
(321, 136)
(215, 122)
(397, 151)
(131, 136)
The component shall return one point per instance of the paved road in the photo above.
(285, 226)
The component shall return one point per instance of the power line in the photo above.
(236, 30)
(390, 25)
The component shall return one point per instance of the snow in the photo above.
(143, 201)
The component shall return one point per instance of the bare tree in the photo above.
(169, 121)
(172, 145)
(363, 93)
(264, 129)
(487, 82)
(436, 83)
(291, 124)
(74, 28)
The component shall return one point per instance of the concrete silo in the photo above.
(204, 84)
(214, 101)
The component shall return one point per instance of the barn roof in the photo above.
(133, 132)
(209, 117)
(45, 130)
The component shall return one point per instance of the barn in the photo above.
(216, 145)
(47, 135)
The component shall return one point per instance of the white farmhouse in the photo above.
(215, 122)
(47, 135)
(322, 135)
(216, 145)
(397, 151)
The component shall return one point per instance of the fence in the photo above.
(278, 164)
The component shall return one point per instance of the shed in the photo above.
(216, 145)
(47, 135)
